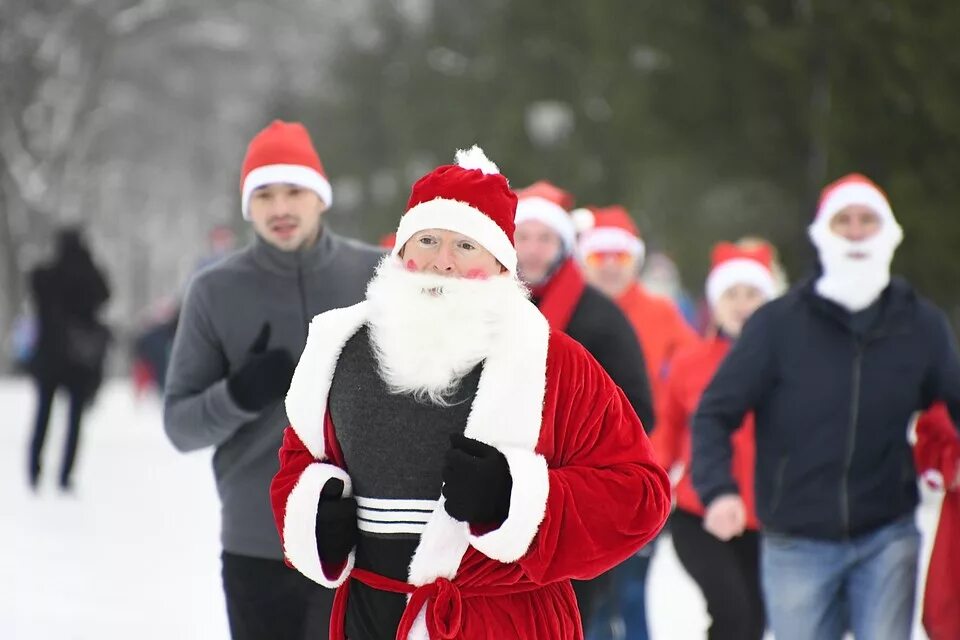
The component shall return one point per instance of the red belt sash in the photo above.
(443, 599)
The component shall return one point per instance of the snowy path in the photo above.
(135, 554)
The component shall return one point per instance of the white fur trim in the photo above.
(441, 548)
(475, 158)
(506, 413)
(611, 239)
(306, 401)
(286, 174)
(300, 522)
(453, 215)
(419, 629)
(528, 505)
(739, 271)
(852, 194)
(550, 214)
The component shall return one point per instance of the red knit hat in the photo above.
(549, 204)
(469, 197)
(282, 153)
(852, 189)
(733, 265)
(613, 231)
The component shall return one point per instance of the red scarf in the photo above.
(560, 294)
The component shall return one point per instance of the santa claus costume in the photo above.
(382, 390)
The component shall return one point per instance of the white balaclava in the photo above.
(854, 282)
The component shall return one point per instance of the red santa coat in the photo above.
(937, 453)
(587, 492)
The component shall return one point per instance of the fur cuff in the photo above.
(528, 505)
(300, 525)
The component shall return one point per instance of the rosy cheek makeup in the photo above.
(411, 266)
(476, 274)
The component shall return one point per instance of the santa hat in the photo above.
(852, 189)
(733, 265)
(549, 204)
(612, 231)
(469, 197)
(282, 153)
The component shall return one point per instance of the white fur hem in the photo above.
(306, 401)
(528, 505)
(739, 271)
(288, 174)
(550, 214)
(299, 523)
(441, 548)
(854, 194)
(453, 215)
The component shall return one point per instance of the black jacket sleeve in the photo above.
(600, 326)
(739, 385)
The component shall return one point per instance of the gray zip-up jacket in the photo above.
(225, 307)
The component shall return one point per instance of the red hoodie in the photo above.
(690, 373)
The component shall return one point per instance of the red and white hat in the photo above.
(549, 204)
(853, 189)
(282, 153)
(469, 197)
(613, 231)
(733, 265)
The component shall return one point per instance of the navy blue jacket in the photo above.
(832, 407)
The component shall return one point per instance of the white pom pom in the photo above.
(475, 158)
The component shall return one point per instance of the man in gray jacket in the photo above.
(243, 325)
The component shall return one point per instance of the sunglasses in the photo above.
(599, 258)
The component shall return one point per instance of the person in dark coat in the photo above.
(833, 372)
(71, 343)
(545, 239)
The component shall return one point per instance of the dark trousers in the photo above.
(46, 391)
(728, 574)
(267, 600)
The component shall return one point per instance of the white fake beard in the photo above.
(428, 331)
(855, 283)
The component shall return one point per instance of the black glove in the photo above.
(336, 528)
(476, 482)
(265, 376)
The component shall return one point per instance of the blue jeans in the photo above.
(819, 589)
(622, 614)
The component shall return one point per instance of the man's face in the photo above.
(735, 307)
(856, 223)
(611, 272)
(287, 216)
(448, 253)
(538, 249)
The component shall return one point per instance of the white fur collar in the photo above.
(506, 413)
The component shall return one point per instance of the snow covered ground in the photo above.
(135, 553)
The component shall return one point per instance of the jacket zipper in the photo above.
(851, 440)
(301, 289)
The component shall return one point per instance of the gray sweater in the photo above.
(224, 310)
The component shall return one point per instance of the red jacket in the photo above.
(938, 450)
(587, 492)
(690, 372)
(660, 327)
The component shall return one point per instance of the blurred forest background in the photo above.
(708, 120)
